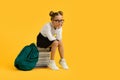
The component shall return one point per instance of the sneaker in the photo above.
(63, 64)
(52, 65)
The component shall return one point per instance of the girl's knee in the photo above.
(55, 43)
(60, 42)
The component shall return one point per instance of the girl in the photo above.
(51, 36)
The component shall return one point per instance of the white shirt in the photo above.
(51, 33)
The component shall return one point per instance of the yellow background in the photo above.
(91, 37)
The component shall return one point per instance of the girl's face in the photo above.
(57, 21)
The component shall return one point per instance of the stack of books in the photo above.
(44, 57)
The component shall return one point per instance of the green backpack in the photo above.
(27, 58)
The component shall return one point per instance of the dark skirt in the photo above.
(43, 42)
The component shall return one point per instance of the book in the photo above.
(44, 57)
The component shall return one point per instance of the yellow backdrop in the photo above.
(91, 37)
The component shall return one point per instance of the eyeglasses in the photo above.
(62, 20)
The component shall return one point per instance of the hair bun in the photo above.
(51, 13)
(60, 12)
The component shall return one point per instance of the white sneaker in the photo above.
(63, 64)
(52, 65)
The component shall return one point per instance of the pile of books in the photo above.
(44, 57)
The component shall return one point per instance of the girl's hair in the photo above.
(53, 14)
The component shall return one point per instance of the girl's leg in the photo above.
(52, 63)
(61, 52)
(53, 49)
(61, 49)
